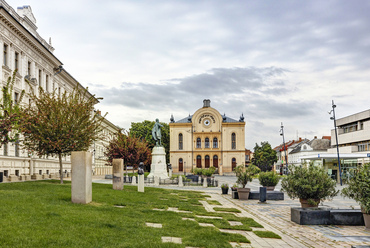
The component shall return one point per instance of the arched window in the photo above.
(206, 161)
(180, 142)
(199, 161)
(181, 164)
(233, 141)
(233, 163)
(206, 143)
(199, 143)
(215, 142)
(215, 161)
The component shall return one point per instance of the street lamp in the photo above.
(336, 138)
(184, 168)
(282, 134)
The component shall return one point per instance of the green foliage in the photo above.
(268, 178)
(231, 210)
(59, 124)
(267, 234)
(245, 174)
(143, 130)
(358, 186)
(208, 171)
(224, 186)
(131, 149)
(197, 171)
(264, 156)
(309, 182)
(10, 112)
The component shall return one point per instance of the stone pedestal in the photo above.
(133, 182)
(81, 177)
(117, 173)
(170, 173)
(156, 181)
(181, 184)
(158, 167)
(140, 186)
(36, 177)
(205, 185)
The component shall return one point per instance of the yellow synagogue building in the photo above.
(207, 139)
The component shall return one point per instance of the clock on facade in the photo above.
(206, 122)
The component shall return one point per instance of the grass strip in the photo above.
(231, 210)
(267, 234)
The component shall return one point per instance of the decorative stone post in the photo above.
(181, 184)
(140, 187)
(205, 183)
(133, 182)
(156, 181)
(117, 173)
(81, 177)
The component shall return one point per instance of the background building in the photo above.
(27, 52)
(207, 139)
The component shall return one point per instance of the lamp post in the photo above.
(336, 139)
(282, 134)
(184, 168)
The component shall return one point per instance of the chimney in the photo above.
(206, 103)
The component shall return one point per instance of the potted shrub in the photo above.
(359, 189)
(269, 179)
(245, 175)
(234, 187)
(225, 188)
(311, 184)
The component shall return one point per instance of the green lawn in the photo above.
(40, 214)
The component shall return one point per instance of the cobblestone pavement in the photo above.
(275, 216)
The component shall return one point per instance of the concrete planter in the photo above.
(270, 188)
(305, 204)
(326, 216)
(271, 195)
(243, 193)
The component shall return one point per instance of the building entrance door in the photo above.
(215, 161)
(206, 164)
(181, 165)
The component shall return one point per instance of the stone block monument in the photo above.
(158, 167)
(81, 177)
(181, 184)
(133, 182)
(117, 173)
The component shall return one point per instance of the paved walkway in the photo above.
(275, 216)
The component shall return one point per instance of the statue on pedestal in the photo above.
(156, 133)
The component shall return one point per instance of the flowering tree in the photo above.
(59, 124)
(131, 149)
(9, 113)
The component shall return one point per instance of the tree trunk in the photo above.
(61, 168)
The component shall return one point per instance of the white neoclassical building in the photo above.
(24, 50)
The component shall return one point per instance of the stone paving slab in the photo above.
(171, 240)
(155, 225)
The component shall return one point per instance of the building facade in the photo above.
(24, 50)
(207, 139)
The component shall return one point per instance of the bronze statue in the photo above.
(156, 133)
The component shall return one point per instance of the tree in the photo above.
(264, 156)
(59, 124)
(131, 149)
(143, 130)
(10, 113)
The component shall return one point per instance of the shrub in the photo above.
(224, 186)
(245, 174)
(208, 172)
(359, 186)
(310, 183)
(268, 178)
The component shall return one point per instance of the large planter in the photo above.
(305, 204)
(225, 191)
(366, 218)
(243, 193)
(270, 188)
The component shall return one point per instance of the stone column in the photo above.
(180, 181)
(140, 187)
(117, 173)
(205, 183)
(81, 177)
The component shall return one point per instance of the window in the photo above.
(16, 61)
(233, 163)
(181, 164)
(180, 142)
(5, 149)
(215, 142)
(17, 173)
(206, 161)
(16, 96)
(47, 83)
(40, 78)
(5, 57)
(215, 161)
(199, 161)
(233, 141)
(199, 143)
(206, 143)
(29, 69)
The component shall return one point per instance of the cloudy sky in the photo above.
(273, 61)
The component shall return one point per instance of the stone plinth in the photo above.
(205, 184)
(158, 167)
(181, 184)
(133, 182)
(326, 216)
(81, 177)
(117, 174)
(271, 195)
(13, 178)
(140, 185)
(36, 177)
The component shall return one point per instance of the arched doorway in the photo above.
(233, 164)
(199, 161)
(181, 164)
(215, 161)
(206, 161)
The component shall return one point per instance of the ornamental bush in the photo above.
(269, 178)
(359, 186)
(309, 182)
